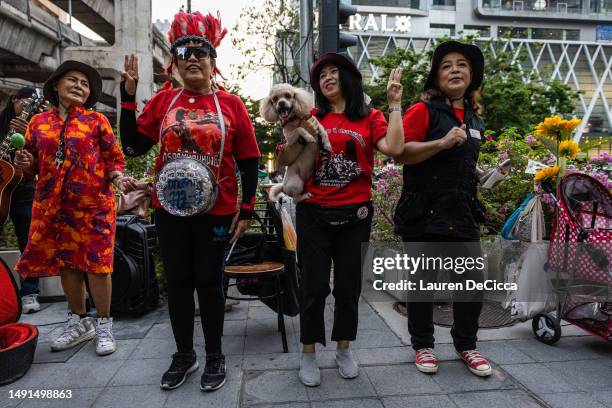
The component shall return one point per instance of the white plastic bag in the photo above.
(534, 292)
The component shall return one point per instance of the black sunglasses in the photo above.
(184, 53)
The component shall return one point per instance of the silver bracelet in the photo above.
(394, 109)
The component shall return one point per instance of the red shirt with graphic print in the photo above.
(416, 121)
(345, 177)
(191, 129)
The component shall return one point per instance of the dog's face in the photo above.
(286, 103)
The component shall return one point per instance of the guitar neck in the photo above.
(5, 145)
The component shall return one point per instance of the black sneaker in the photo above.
(214, 373)
(182, 365)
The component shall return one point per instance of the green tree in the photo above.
(268, 37)
(509, 101)
(268, 135)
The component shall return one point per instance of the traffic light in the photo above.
(332, 14)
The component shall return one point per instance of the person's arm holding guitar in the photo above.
(26, 162)
(24, 159)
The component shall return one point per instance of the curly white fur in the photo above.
(291, 106)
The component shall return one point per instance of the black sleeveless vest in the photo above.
(439, 194)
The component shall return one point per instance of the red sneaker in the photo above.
(426, 361)
(476, 363)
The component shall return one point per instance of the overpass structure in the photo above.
(36, 39)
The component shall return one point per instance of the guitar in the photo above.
(11, 176)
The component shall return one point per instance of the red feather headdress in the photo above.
(195, 27)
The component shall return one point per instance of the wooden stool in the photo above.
(262, 270)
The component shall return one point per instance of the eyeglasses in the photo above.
(184, 53)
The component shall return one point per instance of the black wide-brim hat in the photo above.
(94, 78)
(331, 58)
(469, 51)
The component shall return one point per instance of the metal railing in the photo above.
(558, 7)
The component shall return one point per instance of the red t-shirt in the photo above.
(191, 129)
(416, 121)
(346, 177)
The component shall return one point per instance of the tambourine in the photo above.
(186, 186)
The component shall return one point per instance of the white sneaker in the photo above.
(105, 341)
(29, 304)
(77, 330)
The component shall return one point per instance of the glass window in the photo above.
(572, 35)
(513, 32)
(387, 3)
(546, 34)
(441, 30)
(447, 3)
(480, 31)
(601, 6)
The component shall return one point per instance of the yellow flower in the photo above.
(569, 148)
(571, 124)
(540, 130)
(553, 121)
(555, 126)
(549, 173)
(551, 126)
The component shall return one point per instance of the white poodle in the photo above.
(291, 106)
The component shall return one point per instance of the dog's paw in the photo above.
(309, 138)
(301, 197)
(327, 146)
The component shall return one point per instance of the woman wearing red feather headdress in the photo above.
(203, 132)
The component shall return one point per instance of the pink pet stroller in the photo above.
(580, 259)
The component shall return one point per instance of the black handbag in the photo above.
(255, 247)
(250, 249)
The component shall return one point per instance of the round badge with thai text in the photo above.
(186, 186)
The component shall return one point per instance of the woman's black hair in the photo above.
(352, 90)
(7, 114)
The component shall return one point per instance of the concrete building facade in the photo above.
(37, 37)
(569, 40)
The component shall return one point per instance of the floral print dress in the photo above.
(74, 210)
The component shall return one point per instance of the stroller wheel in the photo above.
(546, 328)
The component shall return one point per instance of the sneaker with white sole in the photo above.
(426, 361)
(29, 304)
(105, 340)
(77, 330)
(213, 377)
(182, 365)
(476, 363)
(309, 373)
(347, 366)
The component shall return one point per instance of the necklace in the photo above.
(192, 99)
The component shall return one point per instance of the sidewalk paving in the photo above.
(575, 373)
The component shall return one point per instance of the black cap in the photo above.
(331, 58)
(469, 51)
(95, 82)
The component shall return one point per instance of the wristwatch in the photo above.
(394, 109)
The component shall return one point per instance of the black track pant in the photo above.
(465, 314)
(319, 243)
(192, 250)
